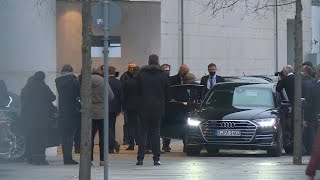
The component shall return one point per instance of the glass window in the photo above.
(252, 97)
(241, 98)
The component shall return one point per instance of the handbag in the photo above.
(54, 132)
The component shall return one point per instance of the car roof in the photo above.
(249, 79)
(231, 85)
(270, 78)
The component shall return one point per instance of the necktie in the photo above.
(211, 82)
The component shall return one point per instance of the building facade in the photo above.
(48, 36)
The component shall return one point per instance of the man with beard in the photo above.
(210, 80)
(68, 87)
(153, 87)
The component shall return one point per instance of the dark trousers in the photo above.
(166, 142)
(133, 126)
(315, 155)
(97, 125)
(152, 122)
(309, 135)
(67, 143)
(125, 128)
(77, 138)
(149, 139)
(37, 144)
(112, 128)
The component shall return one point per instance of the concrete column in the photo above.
(316, 31)
(28, 43)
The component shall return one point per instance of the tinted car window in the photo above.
(241, 98)
(252, 97)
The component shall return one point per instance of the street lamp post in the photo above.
(106, 86)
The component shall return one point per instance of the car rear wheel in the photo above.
(276, 151)
(213, 151)
(193, 151)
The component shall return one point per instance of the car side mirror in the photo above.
(285, 104)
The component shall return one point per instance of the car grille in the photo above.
(247, 129)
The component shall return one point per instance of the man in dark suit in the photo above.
(115, 106)
(315, 154)
(287, 83)
(131, 106)
(178, 79)
(210, 80)
(68, 87)
(124, 78)
(310, 124)
(153, 87)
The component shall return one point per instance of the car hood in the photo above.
(235, 114)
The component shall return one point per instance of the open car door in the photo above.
(183, 99)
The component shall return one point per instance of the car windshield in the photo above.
(241, 98)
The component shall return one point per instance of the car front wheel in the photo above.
(213, 151)
(277, 150)
(193, 151)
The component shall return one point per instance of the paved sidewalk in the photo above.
(229, 165)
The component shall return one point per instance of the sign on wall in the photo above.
(315, 2)
(114, 46)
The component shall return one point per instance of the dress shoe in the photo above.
(166, 148)
(139, 163)
(71, 162)
(157, 163)
(130, 148)
(117, 148)
(125, 143)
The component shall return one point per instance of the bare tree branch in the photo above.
(251, 6)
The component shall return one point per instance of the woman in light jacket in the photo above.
(98, 113)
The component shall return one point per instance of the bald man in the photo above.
(178, 79)
(287, 83)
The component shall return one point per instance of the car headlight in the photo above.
(269, 122)
(193, 122)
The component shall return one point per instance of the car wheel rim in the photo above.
(17, 147)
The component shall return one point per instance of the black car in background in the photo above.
(237, 116)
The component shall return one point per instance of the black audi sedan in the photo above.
(236, 116)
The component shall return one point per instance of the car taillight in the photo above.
(3, 124)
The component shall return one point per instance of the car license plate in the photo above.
(227, 133)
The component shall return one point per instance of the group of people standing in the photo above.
(38, 111)
(141, 95)
(310, 93)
